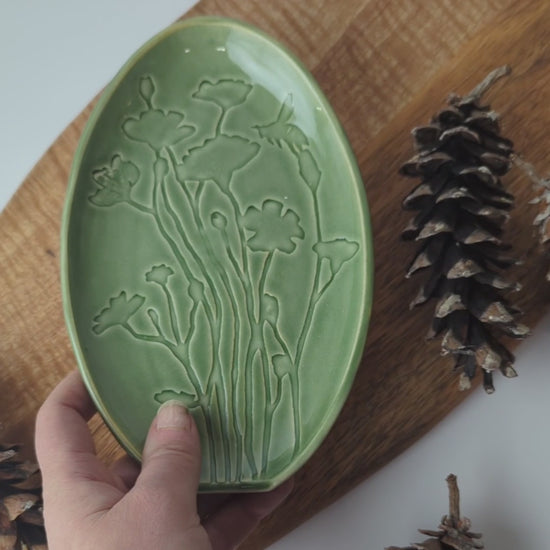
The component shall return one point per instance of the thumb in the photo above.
(172, 459)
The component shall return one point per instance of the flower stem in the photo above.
(268, 421)
(280, 339)
(173, 316)
(211, 447)
(230, 408)
(188, 274)
(312, 303)
(220, 120)
(141, 207)
(192, 323)
(266, 437)
(263, 277)
(243, 274)
(191, 249)
(158, 339)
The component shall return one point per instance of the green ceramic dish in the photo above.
(217, 250)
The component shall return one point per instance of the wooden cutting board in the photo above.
(386, 66)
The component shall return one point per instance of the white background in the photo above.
(54, 57)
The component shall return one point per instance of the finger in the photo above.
(61, 426)
(127, 470)
(172, 460)
(235, 520)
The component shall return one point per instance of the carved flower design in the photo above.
(188, 399)
(159, 274)
(118, 312)
(115, 182)
(226, 93)
(157, 128)
(337, 252)
(216, 159)
(272, 229)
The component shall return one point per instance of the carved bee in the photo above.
(282, 131)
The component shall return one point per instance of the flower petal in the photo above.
(230, 154)
(188, 399)
(159, 274)
(271, 230)
(118, 312)
(157, 128)
(337, 252)
(129, 172)
(225, 93)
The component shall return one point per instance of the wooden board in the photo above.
(386, 66)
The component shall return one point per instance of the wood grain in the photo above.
(386, 66)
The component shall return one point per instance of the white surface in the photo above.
(54, 57)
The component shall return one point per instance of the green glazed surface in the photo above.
(217, 250)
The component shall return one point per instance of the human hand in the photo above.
(90, 506)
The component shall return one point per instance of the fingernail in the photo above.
(173, 415)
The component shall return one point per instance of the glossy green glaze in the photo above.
(217, 250)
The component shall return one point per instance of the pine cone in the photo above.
(21, 521)
(454, 531)
(462, 207)
(542, 220)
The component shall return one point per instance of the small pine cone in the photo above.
(542, 220)
(454, 532)
(21, 521)
(462, 207)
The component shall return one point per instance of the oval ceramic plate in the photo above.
(216, 250)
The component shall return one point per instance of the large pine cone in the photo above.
(462, 206)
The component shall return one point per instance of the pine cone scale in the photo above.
(21, 520)
(8, 531)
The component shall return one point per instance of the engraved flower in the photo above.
(188, 399)
(159, 274)
(272, 229)
(157, 128)
(337, 252)
(118, 312)
(216, 159)
(115, 182)
(226, 93)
